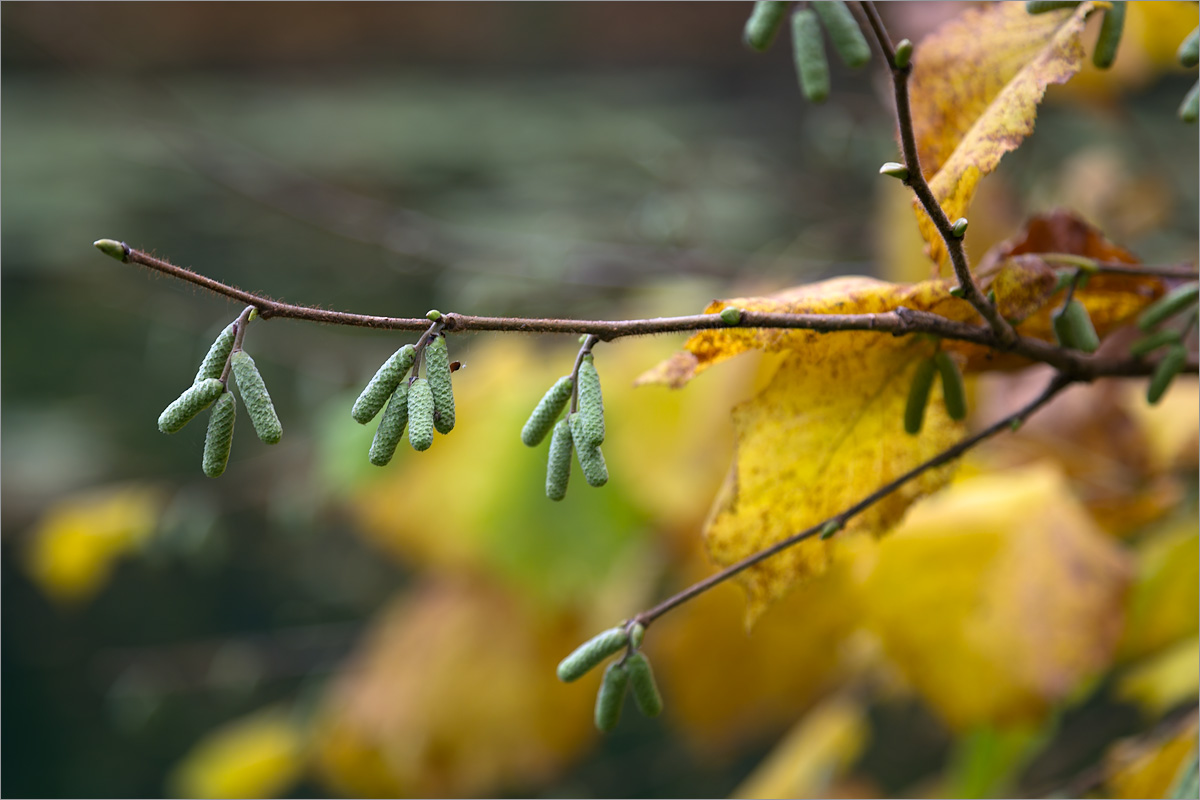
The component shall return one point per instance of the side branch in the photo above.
(1005, 334)
(838, 521)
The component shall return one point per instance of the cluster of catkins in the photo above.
(210, 388)
(581, 430)
(422, 404)
(633, 670)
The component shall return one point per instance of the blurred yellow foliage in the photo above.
(261, 755)
(997, 597)
(1162, 682)
(74, 547)
(454, 694)
(814, 752)
(1149, 769)
(975, 88)
(1164, 604)
(1153, 31)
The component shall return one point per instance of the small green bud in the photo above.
(731, 315)
(437, 370)
(1110, 35)
(1042, 6)
(420, 415)
(904, 51)
(1016, 424)
(433, 315)
(918, 396)
(991, 297)
(763, 24)
(1169, 305)
(1171, 365)
(894, 169)
(844, 32)
(213, 365)
(1189, 109)
(1073, 328)
(1189, 49)
(383, 384)
(194, 399)
(611, 696)
(809, 51)
(959, 229)
(253, 315)
(1148, 344)
(636, 634)
(391, 427)
(591, 406)
(645, 690)
(957, 291)
(954, 395)
(255, 397)
(558, 465)
(219, 439)
(833, 526)
(590, 653)
(548, 410)
(591, 460)
(111, 248)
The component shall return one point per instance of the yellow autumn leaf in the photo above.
(975, 87)
(1150, 769)
(1163, 604)
(256, 756)
(453, 694)
(1164, 681)
(822, 744)
(75, 546)
(997, 597)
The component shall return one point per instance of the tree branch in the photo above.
(900, 321)
(838, 521)
(1005, 334)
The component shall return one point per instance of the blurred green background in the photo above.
(539, 159)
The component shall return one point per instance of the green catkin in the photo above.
(809, 52)
(918, 396)
(645, 690)
(558, 467)
(219, 438)
(548, 410)
(194, 399)
(611, 696)
(383, 384)
(1148, 344)
(1169, 305)
(591, 406)
(590, 653)
(213, 365)
(1073, 328)
(391, 428)
(763, 24)
(1189, 49)
(1042, 6)
(437, 370)
(420, 415)
(1189, 109)
(953, 394)
(1110, 35)
(591, 460)
(1165, 372)
(844, 32)
(255, 397)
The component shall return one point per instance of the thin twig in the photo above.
(1005, 334)
(900, 321)
(1056, 385)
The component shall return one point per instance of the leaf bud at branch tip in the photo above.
(957, 291)
(959, 228)
(731, 315)
(111, 248)
(904, 52)
(895, 170)
(433, 315)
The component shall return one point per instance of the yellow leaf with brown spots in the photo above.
(975, 88)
